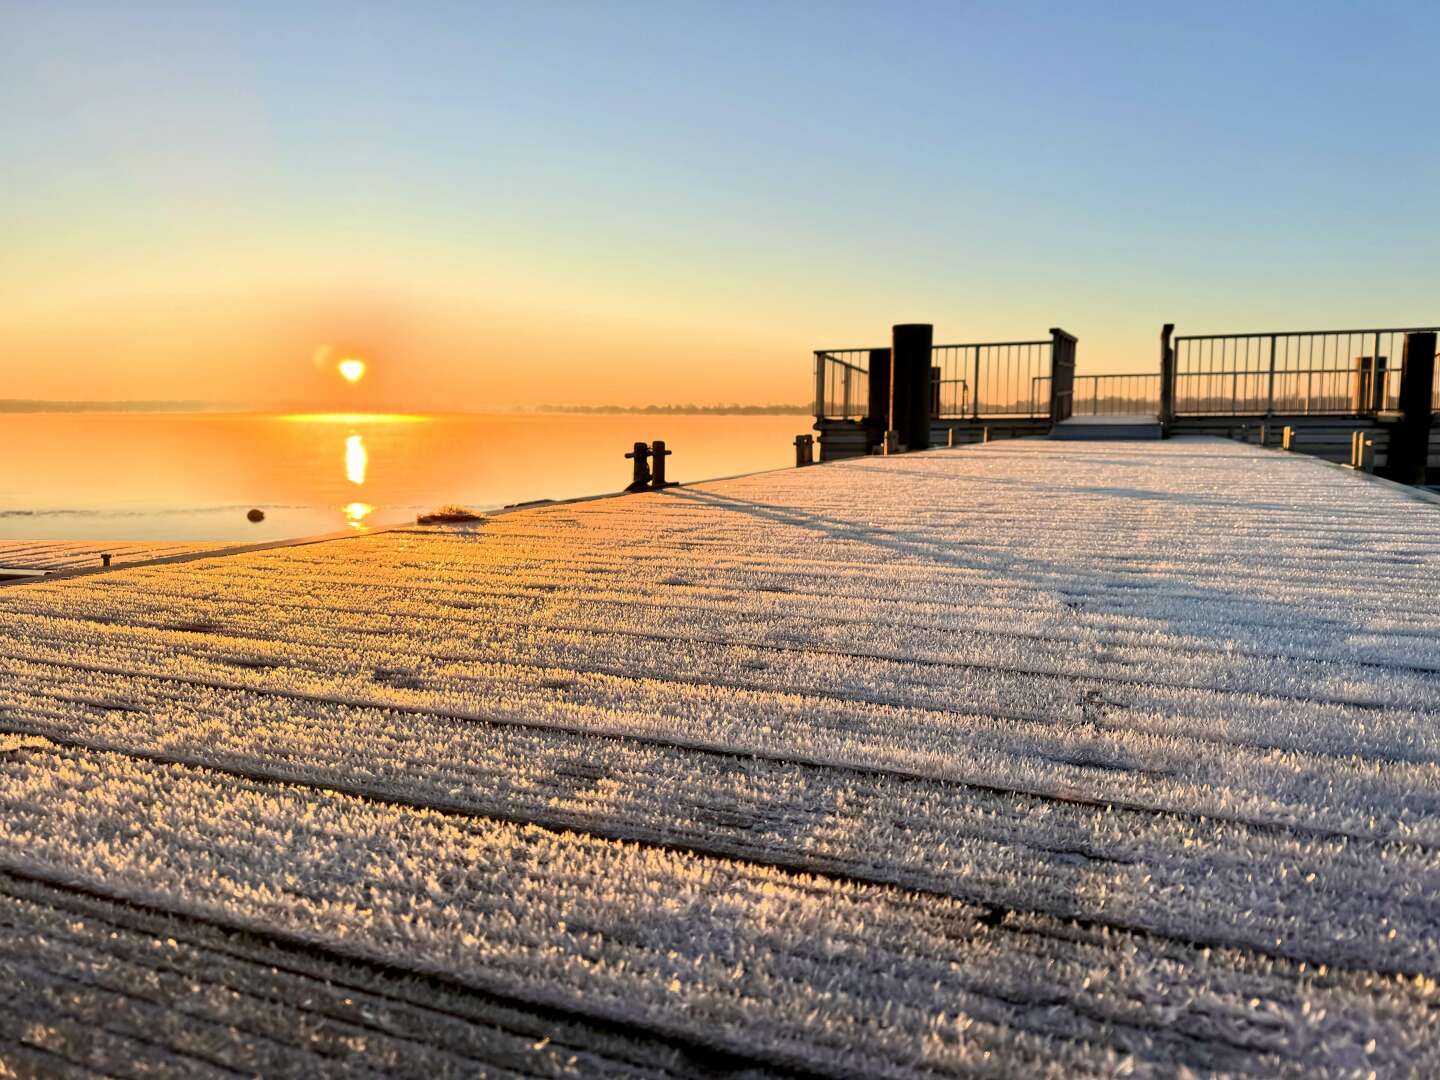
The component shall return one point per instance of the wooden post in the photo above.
(641, 456)
(804, 450)
(1167, 377)
(985, 434)
(105, 559)
(910, 350)
(951, 434)
(658, 454)
(1368, 391)
(1287, 438)
(877, 413)
(1362, 452)
(1062, 375)
(1410, 438)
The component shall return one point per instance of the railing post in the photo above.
(975, 393)
(819, 385)
(1409, 452)
(1062, 375)
(1270, 387)
(911, 345)
(1377, 383)
(1167, 378)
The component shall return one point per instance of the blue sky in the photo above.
(598, 186)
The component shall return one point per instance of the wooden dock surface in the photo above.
(1027, 758)
(57, 555)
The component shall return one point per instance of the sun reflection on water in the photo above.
(357, 459)
(356, 513)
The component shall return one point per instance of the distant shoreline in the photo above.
(30, 406)
(672, 410)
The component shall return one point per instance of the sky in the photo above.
(509, 204)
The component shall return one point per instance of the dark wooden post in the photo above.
(105, 559)
(1368, 394)
(1167, 377)
(1062, 375)
(877, 414)
(658, 454)
(641, 457)
(910, 350)
(1410, 438)
(804, 450)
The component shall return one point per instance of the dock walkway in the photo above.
(52, 556)
(1026, 758)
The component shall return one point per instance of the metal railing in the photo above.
(1304, 372)
(976, 381)
(842, 384)
(1122, 394)
(1001, 374)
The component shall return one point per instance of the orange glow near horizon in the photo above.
(352, 370)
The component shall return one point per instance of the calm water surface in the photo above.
(147, 476)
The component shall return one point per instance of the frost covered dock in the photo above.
(53, 556)
(1020, 758)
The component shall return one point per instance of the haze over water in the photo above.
(193, 476)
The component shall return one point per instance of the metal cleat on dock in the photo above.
(641, 456)
(644, 478)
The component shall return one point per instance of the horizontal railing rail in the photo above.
(1293, 372)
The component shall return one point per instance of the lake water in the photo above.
(168, 476)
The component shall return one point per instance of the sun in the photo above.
(351, 369)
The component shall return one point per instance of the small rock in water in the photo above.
(256, 515)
